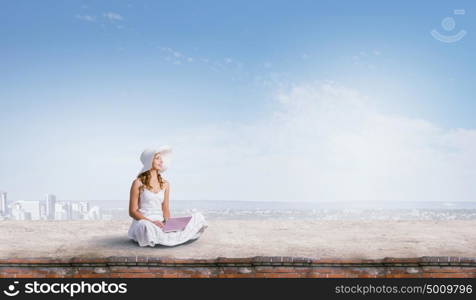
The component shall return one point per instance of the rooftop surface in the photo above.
(246, 238)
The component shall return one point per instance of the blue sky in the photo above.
(85, 78)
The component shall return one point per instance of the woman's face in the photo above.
(157, 162)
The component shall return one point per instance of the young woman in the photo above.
(149, 204)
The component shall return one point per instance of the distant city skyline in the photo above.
(21, 210)
(324, 101)
(48, 209)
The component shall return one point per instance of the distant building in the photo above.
(94, 213)
(3, 203)
(32, 208)
(17, 212)
(43, 215)
(76, 211)
(79, 210)
(69, 210)
(61, 212)
(26, 210)
(50, 206)
(85, 207)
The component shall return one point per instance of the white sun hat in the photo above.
(148, 154)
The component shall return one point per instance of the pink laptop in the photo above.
(176, 224)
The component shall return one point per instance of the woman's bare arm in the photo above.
(134, 201)
(165, 204)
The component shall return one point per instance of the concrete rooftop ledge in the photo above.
(243, 248)
(246, 238)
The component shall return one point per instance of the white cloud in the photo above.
(110, 16)
(86, 18)
(272, 79)
(324, 142)
(113, 16)
(214, 65)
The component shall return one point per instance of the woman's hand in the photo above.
(158, 223)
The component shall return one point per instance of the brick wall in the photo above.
(257, 267)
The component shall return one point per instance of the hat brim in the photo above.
(165, 152)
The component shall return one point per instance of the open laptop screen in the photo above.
(176, 224)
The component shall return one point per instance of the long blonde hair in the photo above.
(144, 177)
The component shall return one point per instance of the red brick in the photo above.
(23, 275)
(93, 276)
(41, 271)
(454, 269)
(200, 276)
(238, 270)
(236, 276)
(185, 271)
(201, 270)
(137, 275)
(85, 270)
(338, 276)
(403, 275)
(463, 275)
(286, 275)
(17, 270)
(316, 275)
(277, 269)
(54, 276)
(327, 270)
(438, 275)
(88, 260)
(123, 269)
(170, 276)
(163, 271)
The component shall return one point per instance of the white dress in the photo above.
(146, 233)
